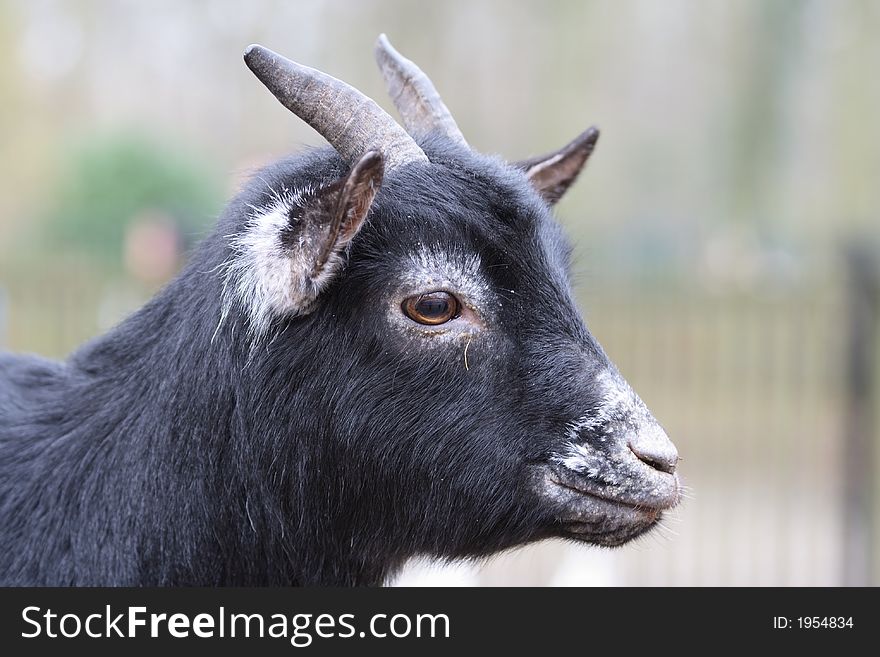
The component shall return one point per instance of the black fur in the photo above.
(327, 452)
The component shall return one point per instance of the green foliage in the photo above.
(107, 181)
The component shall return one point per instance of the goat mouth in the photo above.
(585, 510)
(649, 496)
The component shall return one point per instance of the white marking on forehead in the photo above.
(264, 278)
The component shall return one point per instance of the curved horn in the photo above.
(349, 120)
(414, 95)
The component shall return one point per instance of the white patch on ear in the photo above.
(267, 279)
(549, 162)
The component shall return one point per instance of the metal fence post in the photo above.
(860, 428)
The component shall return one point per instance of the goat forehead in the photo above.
(461, 248)
(506, 244)
(487, 216)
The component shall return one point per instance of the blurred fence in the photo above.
(751, 390)
(752, 386)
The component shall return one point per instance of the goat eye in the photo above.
(432, 309)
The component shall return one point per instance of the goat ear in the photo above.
(344, 206)
(553, 174)
(291, 251)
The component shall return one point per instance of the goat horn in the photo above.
(352, 122)
(414, 95)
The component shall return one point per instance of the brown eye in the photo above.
(432, 309)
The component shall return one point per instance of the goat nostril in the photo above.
(662, 460)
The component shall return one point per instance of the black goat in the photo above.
(318, 397)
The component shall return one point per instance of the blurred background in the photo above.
(727, 229)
